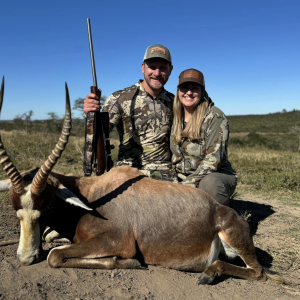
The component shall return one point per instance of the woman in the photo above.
(199, 139)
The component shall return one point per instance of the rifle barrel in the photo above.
(92, 53)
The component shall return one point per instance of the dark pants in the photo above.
(220, 186)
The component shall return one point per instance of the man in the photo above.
(142, 114)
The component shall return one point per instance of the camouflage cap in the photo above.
(191, 75)
(158, 51)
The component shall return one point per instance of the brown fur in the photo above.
(15, 199)
(159, 223)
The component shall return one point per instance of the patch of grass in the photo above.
(28, 151)
(262, 170)
(31, 150)
(267, 171)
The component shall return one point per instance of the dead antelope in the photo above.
(123, 219)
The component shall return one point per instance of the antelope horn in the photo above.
(12, 172)
(40, 179)
(1, 93)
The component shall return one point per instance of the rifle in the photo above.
(97, 154)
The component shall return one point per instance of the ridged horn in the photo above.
(40, 179)
(1, 93)
(12, 172)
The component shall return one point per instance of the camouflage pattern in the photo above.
(195, 159)
(144, 125)
(164, 175)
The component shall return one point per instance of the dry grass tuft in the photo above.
(246, 215)
(270, 172)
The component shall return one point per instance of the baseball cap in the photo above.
(158, 51)
(191, 75)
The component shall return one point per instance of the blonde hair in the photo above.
(192, 129)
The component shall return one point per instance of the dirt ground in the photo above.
(274, 224)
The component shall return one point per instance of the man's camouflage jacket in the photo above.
(144, 126)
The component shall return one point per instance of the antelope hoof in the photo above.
(141, 268)
(204, 279)
(135, 264)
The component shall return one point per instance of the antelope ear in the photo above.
(69, 197)
(5, 185)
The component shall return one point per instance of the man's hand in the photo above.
(91, 103)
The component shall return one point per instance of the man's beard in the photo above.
(154, 88)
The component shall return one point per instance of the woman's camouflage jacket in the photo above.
(195, 159)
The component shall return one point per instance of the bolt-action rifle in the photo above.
(97, 152)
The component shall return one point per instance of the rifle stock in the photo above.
(108, 146)
(99, 147)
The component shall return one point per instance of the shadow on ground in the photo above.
(256, 212)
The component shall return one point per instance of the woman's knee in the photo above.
(209, 184)
(215, 187)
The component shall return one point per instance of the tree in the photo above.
(18, 122)
(24, 118)
(53, 121)
(78, 104)
(53, 116)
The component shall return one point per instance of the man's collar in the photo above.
(161, 95)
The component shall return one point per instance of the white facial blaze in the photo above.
(29, 244)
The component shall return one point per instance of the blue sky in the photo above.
(249, 51)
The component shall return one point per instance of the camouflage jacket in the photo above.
(144, 126)
(194, 160)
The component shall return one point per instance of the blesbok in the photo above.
(124, 219)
